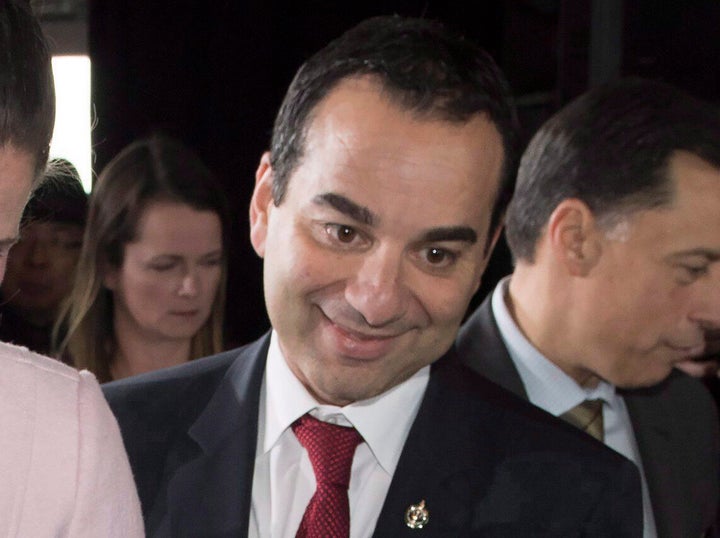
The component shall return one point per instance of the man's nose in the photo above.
(707, 308)
(378, 291)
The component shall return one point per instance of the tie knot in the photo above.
(588, 416)
(330, 447)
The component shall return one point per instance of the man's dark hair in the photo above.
(610, 148)
(421, 66)
(27, 94)
(59, 198)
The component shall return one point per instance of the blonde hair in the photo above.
(158, 168)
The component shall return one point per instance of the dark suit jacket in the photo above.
(485, 462)
(675, 424)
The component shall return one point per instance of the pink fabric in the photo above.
(331, 449)
(63, 468)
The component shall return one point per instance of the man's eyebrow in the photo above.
(709, 254)
(450, 233)
(346, 207)
(363, 214)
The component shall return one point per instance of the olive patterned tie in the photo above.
(588, 416)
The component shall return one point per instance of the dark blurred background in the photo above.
(213, 74)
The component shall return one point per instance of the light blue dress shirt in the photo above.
(551, 389)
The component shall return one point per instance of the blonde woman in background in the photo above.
(150, 283)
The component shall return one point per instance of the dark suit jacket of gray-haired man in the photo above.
(375, 212)
(615, 228)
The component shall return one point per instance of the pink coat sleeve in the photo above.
(63, 467)
(107, 503)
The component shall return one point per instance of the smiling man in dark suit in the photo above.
(615, 230)
(375, 212)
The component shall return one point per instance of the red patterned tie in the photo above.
(331, 449)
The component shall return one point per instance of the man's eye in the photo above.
(344, 234)
(439, 257)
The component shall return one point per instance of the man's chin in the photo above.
(343, 387)
(342, 396)
(644, 379)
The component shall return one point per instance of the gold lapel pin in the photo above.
(417, 516)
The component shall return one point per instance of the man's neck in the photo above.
(539, 311)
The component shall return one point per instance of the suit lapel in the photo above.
(202, 500)
(431, 469)
(653, 431)
(480, 346)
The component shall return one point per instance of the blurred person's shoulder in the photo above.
(63, 464)
(33, 366)
(156, 410)
(38, 389)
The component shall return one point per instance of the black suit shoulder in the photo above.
(471, 395)
(676, 427)
(206, 369)
(696, 412)
(688, 394)
(492, 464)
(167, 397)
(689, 408)
(155, 412)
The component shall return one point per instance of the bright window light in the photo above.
(71, 138)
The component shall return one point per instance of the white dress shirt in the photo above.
(284, 480)
(551, 389)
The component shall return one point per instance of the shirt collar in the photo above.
(383, 421)
(546, 384)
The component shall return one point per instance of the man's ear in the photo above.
(261, 204)
(574, 236)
